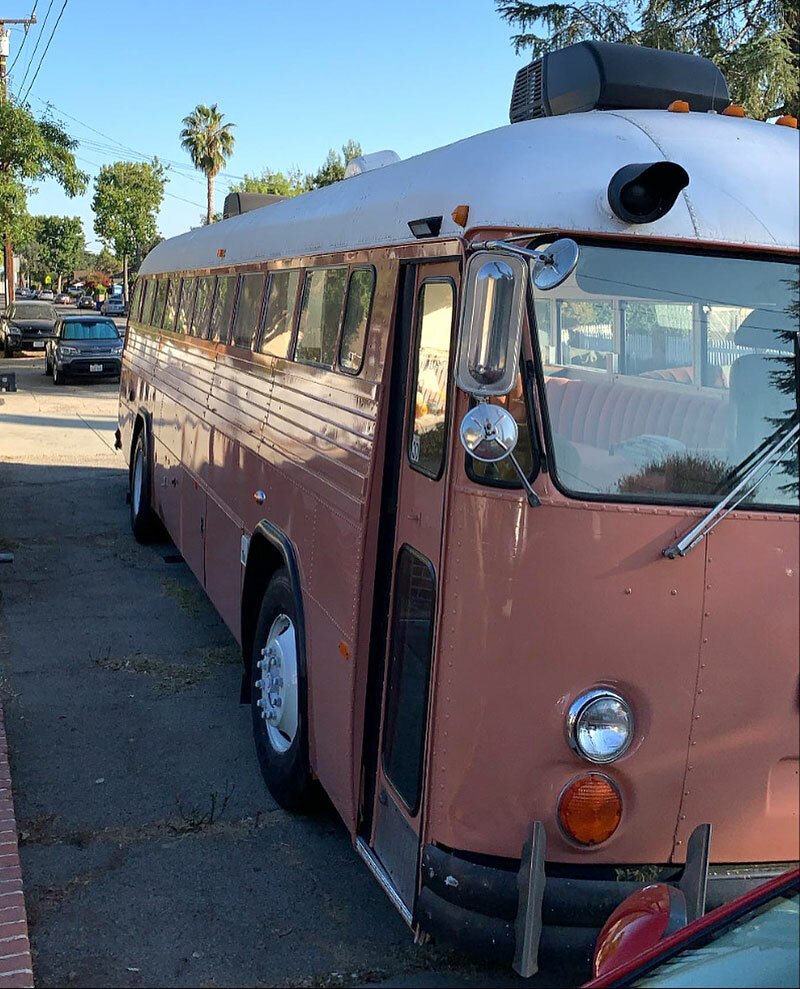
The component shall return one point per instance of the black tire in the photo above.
(7, 351)
(58, 376)
(287, 773)
(47, 370)
(144, 521)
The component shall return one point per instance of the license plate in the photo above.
(95, 367)
(38, 343)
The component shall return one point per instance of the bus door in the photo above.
(409, 568)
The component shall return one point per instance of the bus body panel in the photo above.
(742, 771)
(581, 595)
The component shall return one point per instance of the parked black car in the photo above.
(84, 347)
(26, 326)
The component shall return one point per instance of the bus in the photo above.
(488, 460)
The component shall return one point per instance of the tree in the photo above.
(209, 143)
(126, 201)
(269, 182)
(754, 42)
(31, 150)
(61, 245)
(333, 167)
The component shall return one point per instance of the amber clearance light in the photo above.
(590, 809)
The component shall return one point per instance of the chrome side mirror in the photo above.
(555, 265)
(489, 433)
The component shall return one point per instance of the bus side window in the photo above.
(202, 307)
(148, 293)
(279, 315)
(162, 284)
(136, 299)
(171, 308)
(320, 316)
(356, 318)
(223, 307)
(434, 336)
(187, 305)
(248, 309)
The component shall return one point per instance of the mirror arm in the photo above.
(533, 498)
(504, 245)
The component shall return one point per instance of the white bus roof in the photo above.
(546, 173)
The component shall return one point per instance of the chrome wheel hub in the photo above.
(277, 684)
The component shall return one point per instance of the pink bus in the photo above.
(488, 459)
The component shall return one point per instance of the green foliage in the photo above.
(32, 150)
(293, 182)
(754, 42)
(209, 143)
(61, 246)
(332, 169)
(126, 201)
(272, 183)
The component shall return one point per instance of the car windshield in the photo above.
(32, 311)
(100, 329)
(664, 373)
(758, 950)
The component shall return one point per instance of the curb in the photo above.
(16, 967)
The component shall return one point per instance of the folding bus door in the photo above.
(409, 563)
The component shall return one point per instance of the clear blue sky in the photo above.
(296, 77)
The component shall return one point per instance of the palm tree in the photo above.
(209, 143)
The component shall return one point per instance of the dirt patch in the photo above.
(170, 677)
(189, 598)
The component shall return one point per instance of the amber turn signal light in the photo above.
(590, 809)
(787, 121)
(460, 215)
(734, 110)
(678, 106)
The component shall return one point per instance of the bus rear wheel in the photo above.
(144, 522)
(278, 690)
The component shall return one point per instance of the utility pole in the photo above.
(8, 251)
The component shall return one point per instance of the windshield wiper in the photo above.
(758, 472)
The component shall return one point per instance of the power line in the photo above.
(169, 161)
(22, 43)
(52, 33)
(36, 46)
(171, 195)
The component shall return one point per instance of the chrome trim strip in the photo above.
(384, 879)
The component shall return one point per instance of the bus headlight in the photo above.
(600, 726)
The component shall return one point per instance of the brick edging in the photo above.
(16, 967)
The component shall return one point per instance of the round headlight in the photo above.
(600, 726)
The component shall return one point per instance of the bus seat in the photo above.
(757, 405)
(602, 413)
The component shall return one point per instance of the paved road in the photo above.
(152, 854)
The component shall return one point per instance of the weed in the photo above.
(193, 818)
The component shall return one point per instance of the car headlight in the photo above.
(14, 331)
(68, 351)
(117, 348)
(600, 726)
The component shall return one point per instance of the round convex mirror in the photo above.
(488, 432)
(562, 258)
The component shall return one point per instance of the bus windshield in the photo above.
(666, 373)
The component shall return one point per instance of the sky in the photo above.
(296, 78)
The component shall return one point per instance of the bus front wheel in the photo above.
(144, 521)
(279, 699)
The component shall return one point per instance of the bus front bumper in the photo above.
(515, 911)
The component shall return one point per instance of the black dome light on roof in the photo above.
(600, 75)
